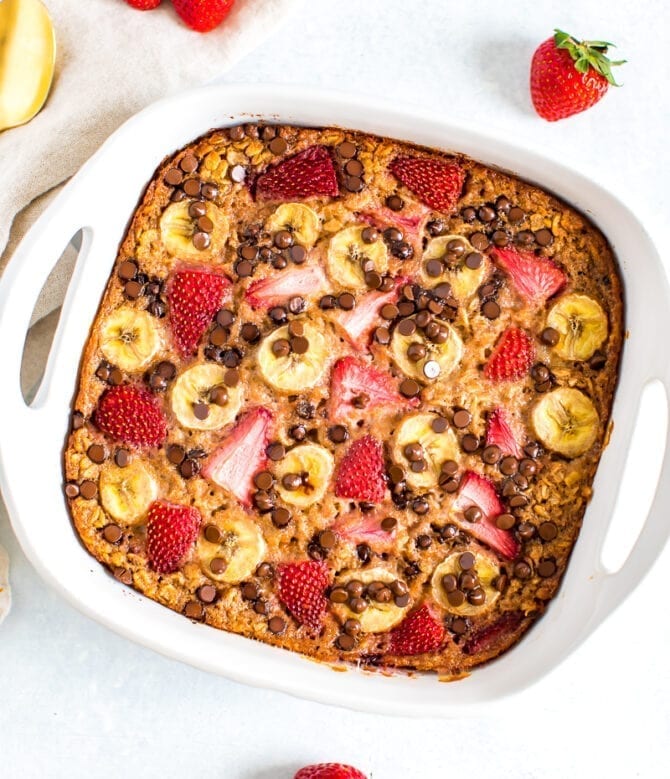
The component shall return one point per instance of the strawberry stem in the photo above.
(588, 54)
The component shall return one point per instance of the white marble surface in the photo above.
(77, 700)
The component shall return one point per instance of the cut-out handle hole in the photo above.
(45, 317)
(640, 477)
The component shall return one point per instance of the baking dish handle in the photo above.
(655, 532)
(20, 288)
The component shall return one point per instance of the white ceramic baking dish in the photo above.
(100, 200)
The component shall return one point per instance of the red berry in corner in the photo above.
(171, 531)
(203, 15)
(568, 76)
(144, 5)
(329, 771)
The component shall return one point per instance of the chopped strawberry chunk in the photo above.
(302, 588)
(499, 433)
(352, 378)
(241, 455)
(360, 475)
(535, 278)
(437, 183)
(421, 631)
(329, 771)
(277, 288)
(479, 491)
(357, 528)
(131, 415)
(194, 294)
(171, 531)
(512, 357)
(410, 218)
(359, 323)
(485, 638)
(310, 173)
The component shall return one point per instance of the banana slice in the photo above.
(179, 230)
(311, 462)
(202, 401)
(348, 253)
(300, 220)
(465, 281)
(126, 493)
(581, 324)
(129, 338)
(443, 357)
(566, 421)
(434, 449)
(377, 617)
(296, 368)
(487, 571)
(230, 547)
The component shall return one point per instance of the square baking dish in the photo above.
(99, 200)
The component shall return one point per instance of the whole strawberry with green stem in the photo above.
(568, 76)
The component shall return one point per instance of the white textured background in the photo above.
(77, 700)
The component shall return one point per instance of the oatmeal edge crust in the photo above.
(545, 522)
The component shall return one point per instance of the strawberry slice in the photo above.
(484, 639)
(241, 455)
(329, 771)
(358, 528)
(310, 173)
(273, 290)
(171, 531)
(535, 278)
(476, 490)
(301, 588)
(421, 631)
(360, 475)
(435, 182)
(499, 433)
(410, 218)
(352, 378)
(131, 415)
(359, 323)
(512, 357)
(194, 295)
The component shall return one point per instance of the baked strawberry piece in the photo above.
(500, 433)
(274, 289)
(131, 415)
(357, 387)
(359, 323)
(302, 588)
(436, 182)
(512, 356)
(310, 173)
(361, 475)
(420, 632)
(171, 532)
(535, 278)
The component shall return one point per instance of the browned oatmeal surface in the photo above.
(350, 402)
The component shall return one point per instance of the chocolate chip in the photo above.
(338, 434)
(347, 149)
(299, 345)
(509, 465)
(194, 610)
(423, 541)
(546, 568)
(525, 531)
(439, 424)
(192, 187)
(479, 241)
(122, 574)
(597, 361)
(544, 237)
(456, 598)
(298, 254)
(472, 514)
(525, 238)
(491, 310)
(277, 625)
(327, 539)
(268, 132)
(409, 388)
(515, 215)
(112, 534)
(263, 480)
(218, 565)
(491, 454)
(470, 443)
(212, 534)
(132, 290)
(395, 202)
(505, 521)
(278, 145)
(346, 301)
(173, 177)
(353, 183)
(189, 468)
(420, 506)
(547, 531)
(550, 336)
(207, 593)
(96, 453)
(462, 418)
(127, 270)
(522, 570)
(373, 280)
(500, 238)
(382, 335)
(364, 553)
(200, 410)
(250, 590)
(280, 517)
(88, 489)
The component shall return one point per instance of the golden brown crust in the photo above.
(559, 493)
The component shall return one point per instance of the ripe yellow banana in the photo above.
(235, 552)
(294, 370)
(129, 338)
(377, 617)
(300, 220)
(178, 229)
(581, 324)
(126, 493)
(314, 465)
(435, 449)
(464, 280)
(446, 355)
(566, 421)
(201, 400)
(348, 254)
(487, 570)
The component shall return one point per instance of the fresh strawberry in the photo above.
(131, 415)
(171, 531)
(241, 455)
(485, 638)
(310, 173)
(194, 295)
(512, 357)
(359, 323)
(352, 378)
(277, 288)
(437, 183)
(302, 588)
(203, 15)
(361, 472)
(476, 490)
(329, 771)
(535, 278)
(144, 5)
(357, 528)
(568, 76)
(421, 631)
(499, 433)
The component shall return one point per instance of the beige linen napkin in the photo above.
(111, 61)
